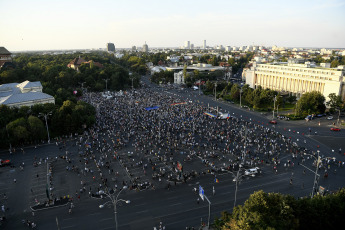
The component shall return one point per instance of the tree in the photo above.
(334, 64)
(277, 211)
(334, 102)
(264, 211)
(36, 128)
(311, 103)
(235, 92)
(18, 129)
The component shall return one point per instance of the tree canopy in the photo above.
(277, 211)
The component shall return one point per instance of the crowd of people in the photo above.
(164, 130)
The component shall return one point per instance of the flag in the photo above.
(216, 180)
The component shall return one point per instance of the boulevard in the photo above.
(125, 149)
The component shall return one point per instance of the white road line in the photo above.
(93, 214)
(142, 211)
(71, 226)
(175, 204)
(107, 219)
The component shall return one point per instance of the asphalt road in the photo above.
(175, 208)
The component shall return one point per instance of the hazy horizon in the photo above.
(39, 25)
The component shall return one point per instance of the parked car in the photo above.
(4, 162)
(335, 129)
(273, 122)
(330, 118)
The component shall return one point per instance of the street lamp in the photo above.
(215, 91)
(243, 161)
(45, 115)
(106, 84)
(9, 140)
(274, 104)
(241, 98)
(338, 117)
(318, 161)
(114, 200)
(237, 178)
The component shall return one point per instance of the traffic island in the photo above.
(51, 204)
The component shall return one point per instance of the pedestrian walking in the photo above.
(197, 200)
(214, 191)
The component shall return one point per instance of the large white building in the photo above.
(297, 78)
(24, 94)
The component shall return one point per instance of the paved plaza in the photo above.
(160, 147)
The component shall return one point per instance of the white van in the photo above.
(252, 172)
(223, 116)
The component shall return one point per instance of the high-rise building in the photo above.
(204, 44)
(145, 48)
(110, 47)
(134, 48)
(187, 45)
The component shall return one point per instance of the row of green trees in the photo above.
(26, 125)
(263, 99)
(60, 81)
(277, 211)
(68, 115)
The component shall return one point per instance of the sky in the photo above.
(75, 24)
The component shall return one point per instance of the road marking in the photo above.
(93, 214)
(175, 204)
(106, 219)
(139, 204)
(142, 211)
(71, 226)
(67, 219)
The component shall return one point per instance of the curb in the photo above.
(48, 207)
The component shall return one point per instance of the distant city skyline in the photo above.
(62, 25)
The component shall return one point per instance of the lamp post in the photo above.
(114, 200)
(106, 84)
(45, 115)
(132, 78)
(237, 178)
(243, 161)
(9, 140)
(215, 91)
(318, 161)
(241, 98)
(274, 105)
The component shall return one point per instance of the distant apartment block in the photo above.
(297, 78)
(187, 45)
(145, 48)
(110, 47)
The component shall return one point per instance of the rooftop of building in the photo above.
(4, 51)
(14, 93)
